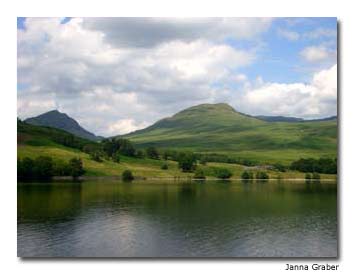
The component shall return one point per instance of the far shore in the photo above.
(183, 179)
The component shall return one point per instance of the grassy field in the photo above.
(147, 168)
(220, 129)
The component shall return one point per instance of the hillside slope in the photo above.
(218, 128)
(62, 121)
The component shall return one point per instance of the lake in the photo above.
(190, 219)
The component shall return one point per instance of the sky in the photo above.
(117, 75)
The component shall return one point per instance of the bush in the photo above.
(222, 173)
(261, 175)
(247, 175)
(116, 158)
(76, 167)
(164, 166)
(127, 175)
(199, 174)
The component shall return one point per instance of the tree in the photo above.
(61, 168)
(262, 176)
(280, 167)
(127, 175)
(247, 175)
(126, 147)
(187, 161)
(116, 158)
(43, 167)
(199, 174)
(110, 146)
(222, 173)
(25, 168)
(152, 153)
(76, 167)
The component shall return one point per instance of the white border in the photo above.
(11, 264)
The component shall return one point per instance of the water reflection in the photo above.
(177, 219)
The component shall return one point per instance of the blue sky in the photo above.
(268, 66)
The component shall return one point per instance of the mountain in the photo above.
(62, 121)
(278, 118)
(291, 119)
(218, 128)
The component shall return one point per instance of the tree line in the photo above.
(322, 165)
(44, 168)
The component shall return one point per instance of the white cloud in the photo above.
(125, 126)
(240, 78)
(313, 100)
(288, 34)
(99, 83)
(149, 32)
(317, 54)
(117, 75)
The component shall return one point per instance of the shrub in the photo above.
(127, 175)
(247, 175)
(261, 175)
(199, 174)
(222, 173)
(76, 167)
(164, 166)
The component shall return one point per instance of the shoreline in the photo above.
(180, 179)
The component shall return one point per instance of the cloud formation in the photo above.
(116, 75)
(318, 54)
(312, 100)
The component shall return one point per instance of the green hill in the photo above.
(61, 121)
(218, 128)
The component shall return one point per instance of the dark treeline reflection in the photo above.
(174, 219)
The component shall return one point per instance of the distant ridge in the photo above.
(292, 119)
(62, 121)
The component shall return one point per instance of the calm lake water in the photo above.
(212, 219)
